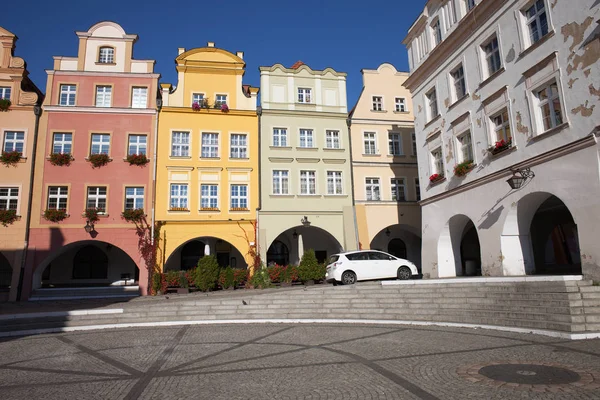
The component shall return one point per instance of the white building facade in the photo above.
(506, 96)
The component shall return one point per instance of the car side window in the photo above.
(378, 256)
(357, 257)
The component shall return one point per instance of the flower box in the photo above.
(463, 168)
(92, 214)
(133, 215)
(224, 108)
(209, 209)
(500, 146)
(137, 159)
(5, 104)
(60, 159)
(7, 217)
(435, 178)
(195, 106)
(178, 209)
(10, 158)
(55, 215)
(238, 209)
(98, 160)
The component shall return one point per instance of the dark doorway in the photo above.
(397, 247)
(223, 259)
(90, 263)
(278, 253)
(321, 256)
(470, 251)
(191, 253)
(5, 273)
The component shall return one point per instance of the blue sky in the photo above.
(347, 35)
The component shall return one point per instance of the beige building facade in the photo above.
(384, 164)
(305, 182)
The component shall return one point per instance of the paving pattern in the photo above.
(281, 361)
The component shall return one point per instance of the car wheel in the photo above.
(348, 278)
(404, 273)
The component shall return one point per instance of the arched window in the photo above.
(191, 253)
(278, 253)
(90, 263)
(397, 248)
(106, 55)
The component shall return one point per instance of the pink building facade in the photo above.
(100, 108)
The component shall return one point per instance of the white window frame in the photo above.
(238, 145)
(179, 146)
(135, 141)
(401, 104)
(549, 101)
(332, 139)
(5, 92)
(398, 186)
(198, 97)
(139, 97)
(108, 57)
(12, 195)
(308, 182)
(280, 182)
(417, 189)
(373, 189)
(16, 141)
(499, 130)
(377, 103)
(436, 32)
(220, 99)
(335, 183)
(437, 163)
(450, 17)
(304, 95)
(464, 144)
(529, 33)
(178, 196)
(280, 137)
(210, 197)
(134, 194)
(70, 95)
(62, 140)
(96, 195)
(103, 96)
(458, 80)
(59, 194)
(102, 140)
(209, 147)
(306, 138)
(369, 143)
(395, 138)
(489, 58)
(431, 103)
(239, 198)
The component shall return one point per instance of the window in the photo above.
(549, 106)
(458, 83)
(220, 99)
(369, 142)
(492, 56)
(469, 4)
(449, 14)
(465, 147)
(279, 137)
(179, 193)
(67, 95)
(418, 189)
(62, 143)
(400, 104)
(537, 21)
(239, 197)
(332, 139)
(280, 182)
(57, 197)
(5, 92)
(238, 147)
(9, 198)
(139, 97)
(209, 196)
(100, 143)
(198, 98)
(14, 141)
(438, 163)
(180, 144)
(106, 55)
(395, 144)
(308, 182)
(304, 95)
(334, 182)
(137, 144)
(501, 126)
(210, 145)
(134, 198)
(103, 96)
(436, 30)
(398, 189)
(96, 198)
(413, 137)
(306, 138)
(432, 108)
(373, 190)
(377, 103)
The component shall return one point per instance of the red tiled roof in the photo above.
(297, 65)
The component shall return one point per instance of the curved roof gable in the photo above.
(210, 54)
(107, 29)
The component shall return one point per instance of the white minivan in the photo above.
(364, 265)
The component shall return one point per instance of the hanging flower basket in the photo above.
(60, 159)
(463, 168)
(500, 146)
(137, 159)
(224, 108)
(91, 214)
(55, 215)
(196, 106)
(435, 178)
(10, 158)
(5, 104)
(98, 160)
(133, 215)
(7, 217)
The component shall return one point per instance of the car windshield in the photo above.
(333, 259)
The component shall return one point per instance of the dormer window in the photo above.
(106, 55)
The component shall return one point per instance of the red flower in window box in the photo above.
(91, 214)
(436, 178)
(4, 104)
(98, 160)
(137, 159)
(7, 217)
(196, 106)
(10, 158)
(60, 159)
(224, 107)
(55, 215)
(500, 146)
(463, 168)
(133, 215)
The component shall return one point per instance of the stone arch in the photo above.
(278, 253)
(408, 234)
(300, 238)
(227, 253)
(451, 247)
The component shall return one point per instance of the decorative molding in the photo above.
(281, 159)
(308, 160)
(334, 161)
(209, 169)
(100, 110)
(173, 168)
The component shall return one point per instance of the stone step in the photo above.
(592, 318)
(590, 289)
(590, 295)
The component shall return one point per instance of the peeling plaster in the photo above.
(450, 154)
(520, 127)
(447, 102)
(479, 122)
(584, 109)
(587, 72)
(590, 56)
(571, 82)
(553, 4)
(577, 31)
(594, 91)
(420, 108)
(443, 123)
(475, 96)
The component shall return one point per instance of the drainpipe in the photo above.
(256, 234)
(37, 110)
(349, 123)
(158, 107)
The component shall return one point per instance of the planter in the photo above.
(178, 209)
(286, 284)
(463, 168)
(10, 158)
(5, 104)
(91, 214)
(98, 160)
(135, 215)
(137, 159)
(54, 215)
(500, 147)
(309, 282)
(435, 178)
(60, 159)
(178, 290)
(230, 288)
(8, 217)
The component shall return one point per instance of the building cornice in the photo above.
(100, 73)
(302, 113)
(189, 110)
(100, 110)
(303, 67)
(366, 121)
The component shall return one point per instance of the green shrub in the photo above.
(207, 273)
(226, 279)
(320, 272)
(156, 282)
(173, 279)
(240, 277)
(309, 266)
(260, 279)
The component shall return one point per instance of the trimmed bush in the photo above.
(207, 273)
(276, 273)
(226, 278)
(260, 279)
(309, 267)
(240, 277)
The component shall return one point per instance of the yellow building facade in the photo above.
(207, 162)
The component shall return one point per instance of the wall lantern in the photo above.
(387, 232)
(89, 228)
(517, 181)
(295, 234)
(305, 221)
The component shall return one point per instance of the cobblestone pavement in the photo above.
(280, 361)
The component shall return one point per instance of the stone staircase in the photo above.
(568, 307)
(102, 292)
